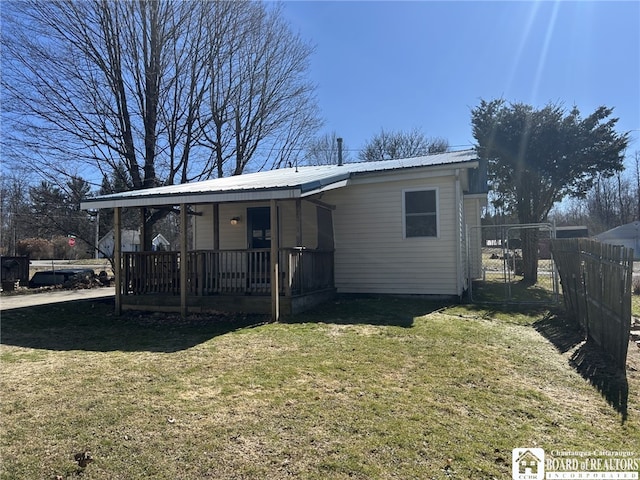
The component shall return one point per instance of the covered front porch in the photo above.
(226, 280)
(283, 270)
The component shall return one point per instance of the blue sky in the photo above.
(425, 65)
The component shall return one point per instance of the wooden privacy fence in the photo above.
(596, 283)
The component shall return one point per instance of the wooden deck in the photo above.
(226, 280)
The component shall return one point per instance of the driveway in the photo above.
(9, 302)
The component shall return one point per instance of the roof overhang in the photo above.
(159, 200)
(285, 184)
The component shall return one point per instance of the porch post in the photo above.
(298, 222)
(183, 260)
(216, 226)
(117, 257)
(275, 263)
(143, 229)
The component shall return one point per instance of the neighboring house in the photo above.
(626, 235)
(160, 243)
(130, 242)
(388, 227)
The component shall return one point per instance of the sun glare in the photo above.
(526, 33)
(542, 59)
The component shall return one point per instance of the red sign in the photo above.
(72, 241)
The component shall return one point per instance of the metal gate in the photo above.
(496, 267)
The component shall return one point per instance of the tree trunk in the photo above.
(146, 229)
(530, 255)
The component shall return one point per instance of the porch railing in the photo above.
(211, 272)
(146, 272)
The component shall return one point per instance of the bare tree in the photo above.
(438, 145)
(611, 202)
(14, 207)
(626, 201)
(391, 145)
(636, 171)
(323, 150)
(172, 90)
(259, 98)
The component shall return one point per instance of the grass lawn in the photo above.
(359, 388)
(635, 305)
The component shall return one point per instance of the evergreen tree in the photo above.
(537, 157)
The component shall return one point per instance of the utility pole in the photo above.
(97, 239)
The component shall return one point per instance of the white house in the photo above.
(160, 243)
(388, 227)
(627, 235)
(130, 242)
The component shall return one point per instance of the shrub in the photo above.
(35, 248)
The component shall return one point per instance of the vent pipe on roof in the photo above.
(339, 140)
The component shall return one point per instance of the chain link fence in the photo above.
(496, 264)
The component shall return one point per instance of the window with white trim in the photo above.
(420, 209)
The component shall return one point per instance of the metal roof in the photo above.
(627, 231)
(295, 182)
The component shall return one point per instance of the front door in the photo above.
(259, 227)
(259, 238)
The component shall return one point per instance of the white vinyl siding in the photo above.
(288, 228)
(234, 237)
(203, 227)
(372, 255)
